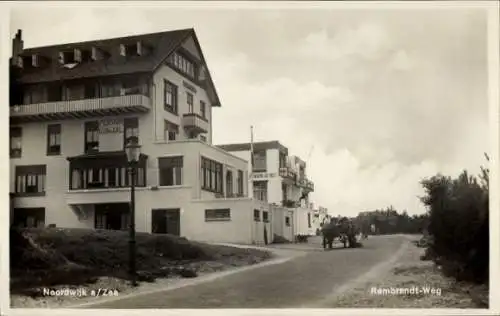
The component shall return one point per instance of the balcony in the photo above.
(77, 109)
(194, 123)
(305, 184)
(289, 204)
(309, 186)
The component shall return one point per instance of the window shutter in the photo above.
(93, 54)
(34, 60)
(139, 48)
(78, 55)
(61, 58)
(123, 51)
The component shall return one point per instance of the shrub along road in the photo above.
(304, 281)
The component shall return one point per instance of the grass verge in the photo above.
(411, 272)
(56, 259)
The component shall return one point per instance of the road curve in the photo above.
(305, 281)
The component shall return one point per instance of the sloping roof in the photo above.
(160, 44)
(257, 146)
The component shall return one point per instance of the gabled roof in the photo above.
(161, 45)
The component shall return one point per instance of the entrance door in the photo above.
(166, 221)
(113, 216)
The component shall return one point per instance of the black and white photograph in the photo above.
(251, 155)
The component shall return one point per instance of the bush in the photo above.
(76, 256)
(459, 225)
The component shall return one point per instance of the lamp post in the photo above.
(133, 151)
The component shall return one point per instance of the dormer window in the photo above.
(96, 54)
(70, 57)
(33, 61)
(134, 49)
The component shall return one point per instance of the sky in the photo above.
(372, 100)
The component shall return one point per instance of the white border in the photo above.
(493, 54)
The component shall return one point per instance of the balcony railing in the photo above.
(306, 184)
(195, 123)
(309, 185)
(81, 108)
(289, 203)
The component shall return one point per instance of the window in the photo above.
(54, 139)
(100, 220)
(190, 102)
(70, 57)
(229, 183)
(130, 49)
(171, 131)
(91, 136)
(170, 96)
(309, 220)
(203, 109)
(203, 138)
(182, 64)
(240, 183)
(211, 175)
(259, 161)
(16, 136)
(217, 215)
(256, 215)
(282, 160)
(170, 170)
(284, 191)
(287, 221)
(73, 91)
(131, 86)
(30, 180)
(90, 90)
(29, 217)
(260, 190)
(131, 127)
(265, 216)
(105, 177)
(35, 94)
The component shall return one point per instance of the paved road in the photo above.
(304, 281)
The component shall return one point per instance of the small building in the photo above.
(281, 180)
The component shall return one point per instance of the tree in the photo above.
(459, 223)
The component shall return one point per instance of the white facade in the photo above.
(181, 198)
(321, 216)
(283, 183)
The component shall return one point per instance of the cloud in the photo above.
(401, 61)
(367, 41)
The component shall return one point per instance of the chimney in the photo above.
(17, 46)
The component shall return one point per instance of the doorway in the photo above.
(166, 221)
(112, 216)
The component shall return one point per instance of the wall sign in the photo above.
(262, 175)
(110, 126)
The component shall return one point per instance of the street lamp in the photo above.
(133, 151)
